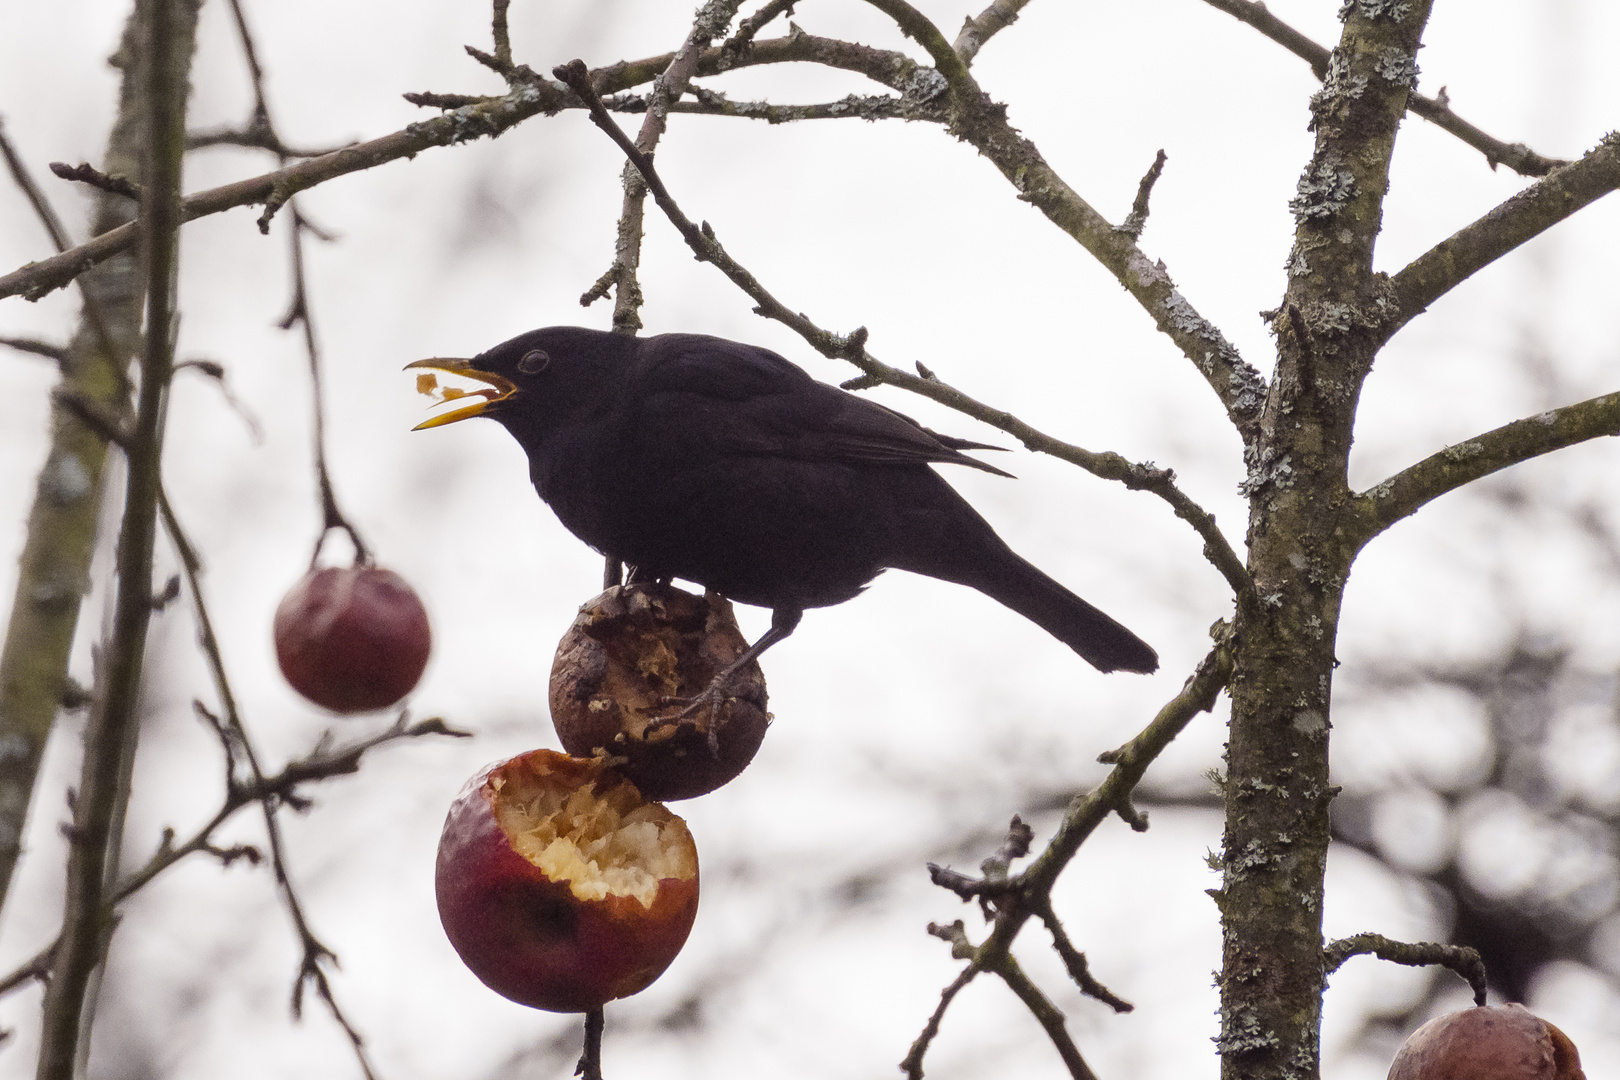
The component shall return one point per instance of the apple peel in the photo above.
(561, 887)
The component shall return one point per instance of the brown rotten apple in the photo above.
(560, 886)
(352, 639)
(1500, 1042)
(621, 674)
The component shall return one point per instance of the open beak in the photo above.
(500, 389)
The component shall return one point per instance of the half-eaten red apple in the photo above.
(352, 639)
(623, 671)
(560, 886)
(1497, 1042)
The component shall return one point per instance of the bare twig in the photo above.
(590, 1058)
(1458, 958)
(1437, 110)
(979, 121)
(1109, 466)
(36, 198)
(989, 22)
(1075, 961)
(912, 1065)
(1412, 488)
(257, 138)
(1048, 1014)
(323, 762)
(1526, 215)
(477, 118)
(87, 174)
(750, 27)
(215, 371)
(298, 313)
(58, 353)
(1135, 221)
(169, 27)
(1029, 892)
(499, 33)
(53, 572)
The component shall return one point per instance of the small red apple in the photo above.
(1498, 1042)
(352, 639)
(560, 886)
(621, 670)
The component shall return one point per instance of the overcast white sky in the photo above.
(909, 722)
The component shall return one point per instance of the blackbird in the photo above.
(723, 464)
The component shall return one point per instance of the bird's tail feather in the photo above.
(1100, 641)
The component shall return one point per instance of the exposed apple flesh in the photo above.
(560, 886)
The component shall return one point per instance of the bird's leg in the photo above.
(641, 576)
(784, 620)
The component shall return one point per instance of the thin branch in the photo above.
(1409, 490)
(1523, 217)
(1107, 465)
(919, 28)
(36, 197)
(709, 23)
(869, 107)
(298, 313)
(983, 124)
(1437, 110)
(59, 353)
(590, 1058)
(1130, 763)
(88, 174)
(169, 27)
(1458, 958)
(912, 1065)
(499, 33)
(749, 28)
(476, 119)
(93, 315)
(1029, 892)
(1136, 220)
(1048, 1014)
(257, 138)
(990, 22)
(53, 571)
(320, 763)
(1074, 961)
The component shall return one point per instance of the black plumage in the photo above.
(723, 464)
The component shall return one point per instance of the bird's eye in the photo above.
(534, 361)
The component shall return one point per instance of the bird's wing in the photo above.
(752, 401)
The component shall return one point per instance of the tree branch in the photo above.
(1109, 466)
(1523, 217)
(1459, 958)
(1406, 492)
(990, 22)
(983, 123)
(912, 1065)
(1516, 156)
(480, 117)
(1029, 892)
(168, 30)
(53, 572)
(1048, 1014)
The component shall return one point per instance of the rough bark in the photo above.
(55, 564)
(1276, 790)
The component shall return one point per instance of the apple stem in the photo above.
(298, 314)
(590, 1059)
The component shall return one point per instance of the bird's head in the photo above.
(534, 377)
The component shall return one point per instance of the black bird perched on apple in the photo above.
(723, 464)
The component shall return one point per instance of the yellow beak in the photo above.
(500, 389)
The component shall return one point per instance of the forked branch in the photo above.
(1410, 489)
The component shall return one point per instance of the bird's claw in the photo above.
(710, 699)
